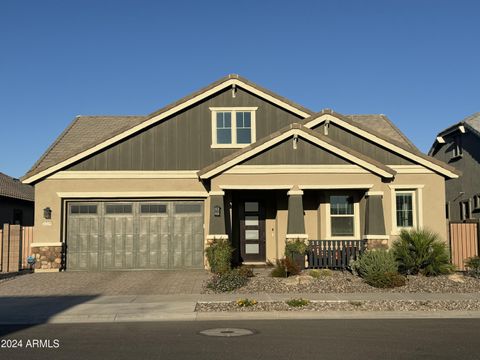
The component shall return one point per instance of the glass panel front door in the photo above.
(252, 231)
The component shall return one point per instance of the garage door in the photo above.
(130, 235)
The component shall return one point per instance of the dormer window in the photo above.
(233, 127)
(457, 147)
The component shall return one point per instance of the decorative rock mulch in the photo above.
(368, 305)
(346, 282)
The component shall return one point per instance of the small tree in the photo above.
(219, 256)
(421, 251)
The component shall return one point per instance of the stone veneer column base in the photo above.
(373, 244)
(48, 257)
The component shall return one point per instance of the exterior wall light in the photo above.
(216, 211)
(47, 213)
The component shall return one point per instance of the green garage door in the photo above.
(131, 235)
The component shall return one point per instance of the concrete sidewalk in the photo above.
(72, 309)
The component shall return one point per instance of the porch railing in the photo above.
(333, 254)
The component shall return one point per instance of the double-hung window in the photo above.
(405, 209)
(342, 216)
(233, 127)
(457, 147)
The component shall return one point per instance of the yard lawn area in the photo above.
(346, 282)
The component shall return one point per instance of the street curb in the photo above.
(254, 315)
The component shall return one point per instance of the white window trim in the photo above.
(233, 110)
(356, 223)
(417, 207)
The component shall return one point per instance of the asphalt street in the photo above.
(278, 339)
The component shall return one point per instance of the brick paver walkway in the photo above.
(106, 283)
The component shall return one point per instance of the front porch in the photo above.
(337, 223)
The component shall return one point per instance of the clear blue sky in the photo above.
(416, 61)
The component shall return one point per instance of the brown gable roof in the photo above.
(282, 131)
(382, 136)
(222, 80)
(83, 133)
(382, 124)
(13, 188)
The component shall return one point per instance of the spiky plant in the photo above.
(421, 251)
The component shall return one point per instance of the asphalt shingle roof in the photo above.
(13, 188)
(86, 132)
(83, 133)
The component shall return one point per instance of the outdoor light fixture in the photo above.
(47, 213)
(216, 210)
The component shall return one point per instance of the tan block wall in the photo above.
(432, 211)
(46, 195)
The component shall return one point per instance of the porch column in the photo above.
(216, 228)
(375, 232)
(296, 220)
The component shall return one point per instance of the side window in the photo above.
(465, 210)
(342, 215)
(405, 209)
(457, 147)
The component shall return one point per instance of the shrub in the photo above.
(246, 271)
(421, 251)
(473, 266)
(296, 246)
(285, 267)
(227, 281)
(219, 255)
(297, 302)
(378, 268)
(246, 302)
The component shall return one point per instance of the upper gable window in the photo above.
(457, 147)
(233, 127)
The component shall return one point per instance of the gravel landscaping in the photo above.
(368, 305)
(346, 282)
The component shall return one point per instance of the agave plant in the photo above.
(421, 251)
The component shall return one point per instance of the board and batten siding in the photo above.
(184, 141)
(306, 153)
(467, 185)
(363, 146)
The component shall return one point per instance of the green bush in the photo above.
(227, 281)
(285, 267)
(378, 268)
(296, 246)
(219, 256)
(421, 251)
(473, 266)
(246, 302)
(246, 271)
(297, 302)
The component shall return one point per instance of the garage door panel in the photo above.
(136, 235)
(83, 238)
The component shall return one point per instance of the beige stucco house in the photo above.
(233, 160)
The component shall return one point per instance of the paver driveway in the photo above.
(106, 283)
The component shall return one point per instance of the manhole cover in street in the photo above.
(227, 332)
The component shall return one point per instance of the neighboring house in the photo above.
(232, 160)
(16, 202)
(459, 145)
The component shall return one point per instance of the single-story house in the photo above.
(459, 146)
(16, 202)
(232, 160)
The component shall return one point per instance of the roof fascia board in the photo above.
(156, 118)
(382, 142)
(306, 136)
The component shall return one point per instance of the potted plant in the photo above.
(295, 249)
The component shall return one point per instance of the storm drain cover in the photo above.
(227, 332)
